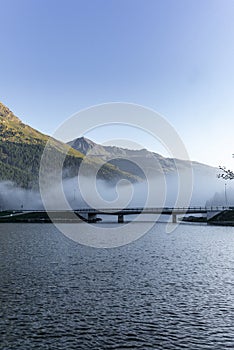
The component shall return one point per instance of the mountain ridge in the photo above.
(124, 157)
(22, 146)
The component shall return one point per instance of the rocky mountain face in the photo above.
(84, 145)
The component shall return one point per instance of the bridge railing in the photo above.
(214, 208)
(139, 209)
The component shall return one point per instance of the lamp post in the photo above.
(225, 192)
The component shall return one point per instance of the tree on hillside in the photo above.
(226, 174)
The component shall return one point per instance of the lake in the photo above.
(163, 291)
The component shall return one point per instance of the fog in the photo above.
(13, 197)
(155, 192)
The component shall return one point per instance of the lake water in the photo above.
(161, 292)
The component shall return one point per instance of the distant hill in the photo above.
(128, 160)
(21, 148)
(158, 171)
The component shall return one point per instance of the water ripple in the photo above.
(161, 292)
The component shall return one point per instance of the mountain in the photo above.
(85, 145)
(161, 173)
(138, 162)
(21, 148)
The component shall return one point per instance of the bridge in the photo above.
(93, 215)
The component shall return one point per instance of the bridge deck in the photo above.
(142, 210)
(91, 215)
(132, 211)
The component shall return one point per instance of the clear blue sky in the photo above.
(175, 56)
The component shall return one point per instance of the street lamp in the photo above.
(225, 191)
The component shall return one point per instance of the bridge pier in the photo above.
(174, 218)
(90, 214)
(92, 217)
(120, 219)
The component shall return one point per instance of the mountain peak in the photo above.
(6, 113)
(83, 144)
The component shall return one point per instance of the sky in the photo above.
(173, 56)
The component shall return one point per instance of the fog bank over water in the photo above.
(162, 190)
(13, 197)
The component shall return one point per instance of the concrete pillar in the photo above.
(174, 218)
(120, 218)
(91, 217)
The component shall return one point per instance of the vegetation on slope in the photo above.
(21, 148)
